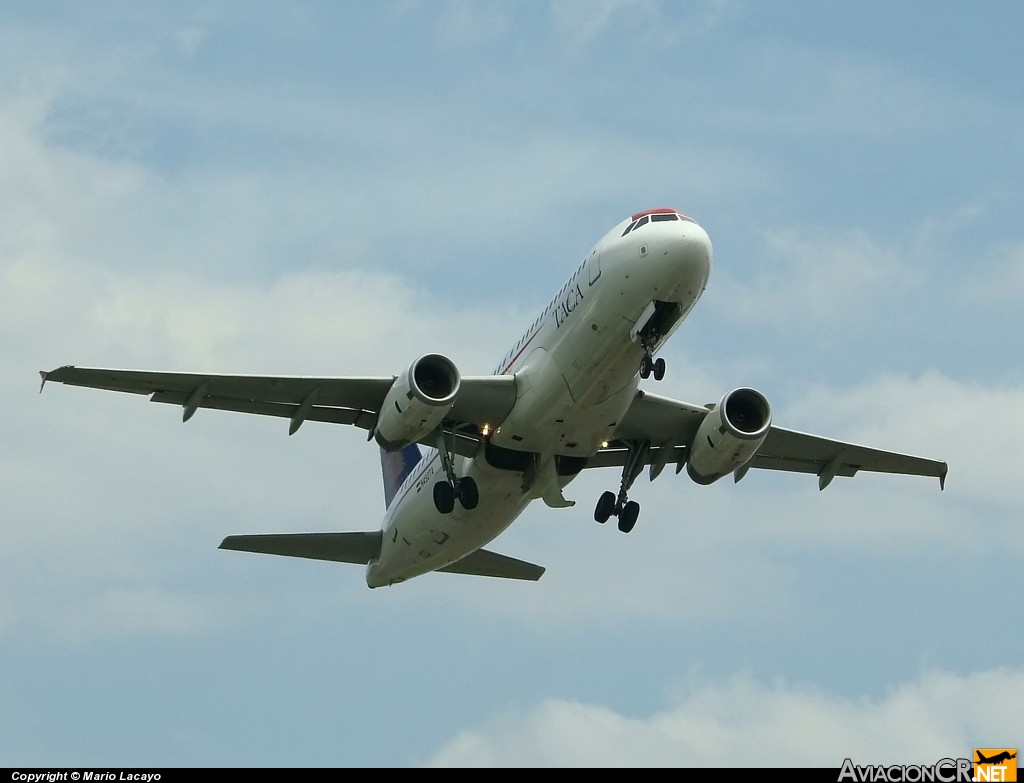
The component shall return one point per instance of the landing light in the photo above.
(604, 444)
(485, 430)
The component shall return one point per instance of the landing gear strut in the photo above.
(649, 364)
(626, 510)
(452, 487)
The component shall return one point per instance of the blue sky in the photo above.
(339, 188)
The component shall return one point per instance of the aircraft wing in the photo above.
(669, 425)
(351, 400)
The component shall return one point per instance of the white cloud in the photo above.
(471, 22)
(1000, 282)
(807, 90)
(743, 722)
(584, 21)
(975, 427)
(806, 278)
(133, 611)
(189, 39)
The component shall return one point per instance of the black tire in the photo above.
(605, 507)
(628, 516)
(659, 369)
(444, 497)
(645, 367)
(469, 493)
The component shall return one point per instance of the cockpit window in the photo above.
(635, 224)
(656, 216)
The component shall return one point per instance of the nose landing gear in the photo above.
(656, 321)
(649, 366)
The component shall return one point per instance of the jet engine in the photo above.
(729, 436)
(417, 401)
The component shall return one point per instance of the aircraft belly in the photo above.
(418, 539)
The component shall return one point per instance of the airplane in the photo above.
(996, 759)
(463, 456)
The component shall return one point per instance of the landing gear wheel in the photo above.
(605, 507)
(444, 497)
(659, 369)
(645, 367)
(469, 494)
(628, 516)
(445, 492)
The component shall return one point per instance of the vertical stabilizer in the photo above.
(396, 467)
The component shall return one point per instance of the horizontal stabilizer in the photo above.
(361, 548)
(358, 548)
(485, 563)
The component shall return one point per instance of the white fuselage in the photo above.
(576, 370)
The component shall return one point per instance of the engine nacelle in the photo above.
(729, 436)
(417, 401)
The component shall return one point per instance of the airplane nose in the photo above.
(690, 250)
(697, 243)
(670, 240)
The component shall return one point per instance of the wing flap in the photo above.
(485, 399)
(792, 465)
(357, 418)
(483, 562)
(660, 419)
(358, 548)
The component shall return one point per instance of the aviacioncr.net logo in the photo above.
(942, 771)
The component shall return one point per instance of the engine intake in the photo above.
(417, 402)
(729, 436)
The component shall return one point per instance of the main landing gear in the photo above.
(452, 487)
(626, 510)
(649, 365)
